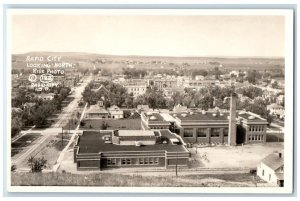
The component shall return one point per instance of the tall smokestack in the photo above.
(232, 121)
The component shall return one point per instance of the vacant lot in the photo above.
(53, 148)
(247, 156)
(124, 124)
(23, 142)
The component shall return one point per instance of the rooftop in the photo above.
(202, 116)
(273, 161)
(123, 133)
(154, 117)
(92, 142)
(96, 109)
(250, 116)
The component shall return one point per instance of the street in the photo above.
(63, 117)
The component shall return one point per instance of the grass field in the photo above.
(23, 142)
(124, 124)
(108, 179)
(52, 150)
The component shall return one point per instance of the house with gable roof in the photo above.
(271, 168)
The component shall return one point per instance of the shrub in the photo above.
(37, 164)
(13, 168)
(82, 123)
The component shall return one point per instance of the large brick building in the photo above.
(225, 127)
(95, 150)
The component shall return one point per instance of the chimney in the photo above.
(232, 121)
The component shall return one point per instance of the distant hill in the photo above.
(117, 61)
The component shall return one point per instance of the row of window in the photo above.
(256, 138)
(203, 132)
(159, 127)
(256, 128)
(132, 161)
(137, 89)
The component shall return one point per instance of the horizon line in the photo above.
(137, 55)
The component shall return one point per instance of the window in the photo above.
(128, 161)
(151, 162)
(146, 161)
(108, 161)
(123, 161)
(141, 161)
(215, 132)
(281, 168)
(188, 132)
(201, 132)
(114, 161)
(225, 132)
(250, 137)
(156, 160)
(263, 173)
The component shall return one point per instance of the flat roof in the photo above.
(123, 133)
(251, 117)
(92, 142)
(157, 117)
(202, 117)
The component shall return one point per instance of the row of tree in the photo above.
(36, 111)
(205, 98)
(113, 94)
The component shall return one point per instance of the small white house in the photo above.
(277, 110)
(179, 108)
(271, 169)
(115, 112)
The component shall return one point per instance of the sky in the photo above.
(232, 36)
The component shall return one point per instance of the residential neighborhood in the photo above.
(193, 102)
(146, 120)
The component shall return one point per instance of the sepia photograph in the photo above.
(150, 100)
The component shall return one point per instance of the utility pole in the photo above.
(62, 136)
(69, 127)
(176, 164)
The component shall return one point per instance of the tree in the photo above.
(129, 101)
(153, 97)
(275, 85)
(39, 116)
(217, 72)
(206, 102)
(16, 124)
(36, 164)
(251, 92)
(199, 72)
(270, 118)
(258, 107)
(253, 75)
(104, 125)
(13, 168)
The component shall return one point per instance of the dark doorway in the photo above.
(280, 183)
(240, 134)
